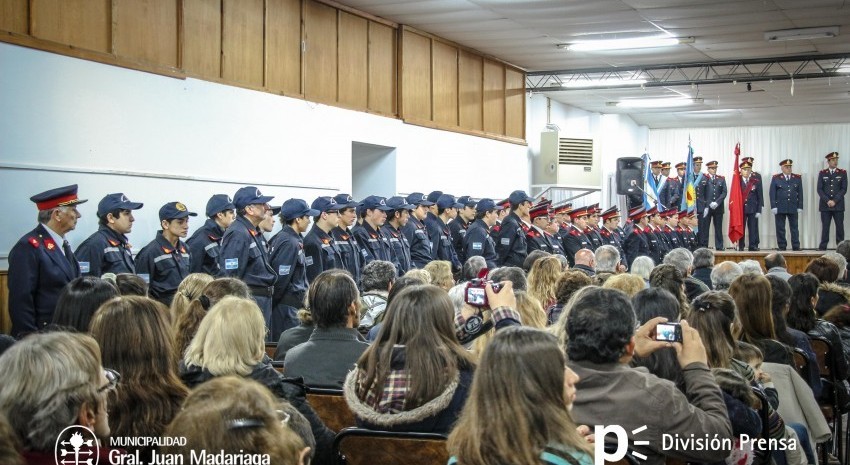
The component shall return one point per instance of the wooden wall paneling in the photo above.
(320, 53)
(146, 30)
(202, 37)
(14, 16)
(471, 76)
(81, 23)
(514, 103)
(283, 46)
(382, 68)
(416, 76)
(494, 97)
(353, 55)
(242, 41)
(445, 83)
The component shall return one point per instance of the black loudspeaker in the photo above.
(629, 174)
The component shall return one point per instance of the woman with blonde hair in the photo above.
(136, 341)
(530, 311)
(237, 416)
(189, 289)
(441, 274)
(522, 389)
(187, 323)
(543, 280)
(231, 341)
(629, 283)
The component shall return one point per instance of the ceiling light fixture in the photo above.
(806, 33)
(656, 102)
(843, 69)
(624, 44)
(579, 84)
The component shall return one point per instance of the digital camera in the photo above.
(476, 295)
(669, 332)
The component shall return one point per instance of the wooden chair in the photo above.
(823, 353)
(330, 405)
(801, 363)
(271, 348)
(357, 446)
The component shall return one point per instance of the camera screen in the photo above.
(475, 296)
(665, 332)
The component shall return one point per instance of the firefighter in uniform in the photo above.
(288, 260)
(535, 237)
(671, 222)
(368, 234)
(477, 240)
(510, 238)
(205, 243)
(636, 243)
(166, 261)
(657, 246)
(460, 224)
(397, 219)
(711, 194)
(786, 203)
(832, 187)
(320, 250)
(575, 239)
(753, 194)
(671, 194)
(439, 232)
(107, 250)
(592, 228)
(415, 231)
(608, 231)
(349, 248)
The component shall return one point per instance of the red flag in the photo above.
(736, 203)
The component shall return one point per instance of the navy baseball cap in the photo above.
(114, 202)
(219, 203)
(433, 196)
(275, 210)
(325, 204)
(345, 201)
(375, 202)
(296, 208)
(518, 197)
(448, 201)
(418, 198)
(485, 205)
(250, 195)
(174, 211)
(399, 203)
(466, 201)
(59, 197)
(359, 209)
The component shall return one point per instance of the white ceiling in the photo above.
(526, 33)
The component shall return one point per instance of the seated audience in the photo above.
(543, 280)
(189, 289)
(377, 279)
(79, 300)
(6, 341)
(642, 266)
(532, 258)
(683, 260)
(585, 262)
(669, 278)
(52, 381)
(649, 304)
(419, 274)
(236, 416)
(441, 274)
(841, 261)
(231, 341)
(607, 259)
(629, 283)
(569, 282)
(335, 345)
(750, 266)
(752, 295)
(472, 267)
(521, 386)
(840, 317)
(135, 340)
(776, 266)
(407, 280)
(602, 341)
(830, 293)
(295, 336)
(127, 284)
(723, 274)
(10, 446)
(703, 265)
(843, 249)
(530, 310)
(510, 273)
(186, 325)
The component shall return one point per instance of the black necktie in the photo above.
(69, 255)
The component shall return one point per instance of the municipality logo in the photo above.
(77, 445)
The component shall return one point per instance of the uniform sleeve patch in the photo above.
(85, 267)
(506, 241)
(146, 277)
(283, 270)
(309, 260)
(231, 263)
(477, 245)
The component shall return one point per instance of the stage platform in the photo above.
(797, 261)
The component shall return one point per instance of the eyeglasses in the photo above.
(112, 379)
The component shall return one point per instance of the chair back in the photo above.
(801, 363)
(358, 446)
(331, 407)
(278, 366)
(822, 350)
(271, 348)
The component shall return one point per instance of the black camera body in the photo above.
(475, 294)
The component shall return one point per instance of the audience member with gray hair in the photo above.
(703, 264)
(843, 248)
(776, 266)
(751, 266)
(683, 260)
(642, 266)
(607, 259)
(723, 274)
(473, 265)
(510, 273)
(841, 262)
(377, 279)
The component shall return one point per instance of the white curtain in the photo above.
(806, 145)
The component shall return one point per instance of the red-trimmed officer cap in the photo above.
(637, 214)
(681, 165)
(539, 210)
(59, 197)
(578, 212)
(612, 212)
(831, 155)
(786, 162)
(665, 165)
(711, 164)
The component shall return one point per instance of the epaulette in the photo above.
(212, 238)
(778, 175)
(167, 250)
(113, 242)
(797, 176)
(824, 171)
(605, 232)
(720, 176)
(840, 170)
(574, 232)
(532, 233)
(497, 227)
(34, 242)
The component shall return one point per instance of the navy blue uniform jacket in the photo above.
(165, 266)
(205, 249)
(105, 251)
(244, 254)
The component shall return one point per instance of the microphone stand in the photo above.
(657, 202)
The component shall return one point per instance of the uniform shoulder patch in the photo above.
(34, 242)
(796, 176)
(113, 242)
(213, 238)
(574, 232)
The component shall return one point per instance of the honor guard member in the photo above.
(349, 248)
(608, 231)
(575, 239)
(711, 194)
(752, 162)
(686, 234)
(439, 232)
(205, 243)
(288, 260)
(243, 252)
(697, 173)
(561, 213)
(477, 241)
(671, 219)
(500, 216)
(535, 237)
(832, 187)
(671, 194)
(657, 248)
(41, 263)
(415, 232)
(636, 243)
(165, 261)
(592, 229)
(553, 234)
(459, 225)
(753, 195)
(397, 218)
(320, 250)
(786, 203)
(368, 234)
(107, 250)
(267, 225)
(510, 238)
(665, 175)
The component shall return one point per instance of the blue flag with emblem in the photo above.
(650, 189)
(689, 195)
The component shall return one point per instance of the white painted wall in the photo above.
(111, 129)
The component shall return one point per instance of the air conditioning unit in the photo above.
(567, 162)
